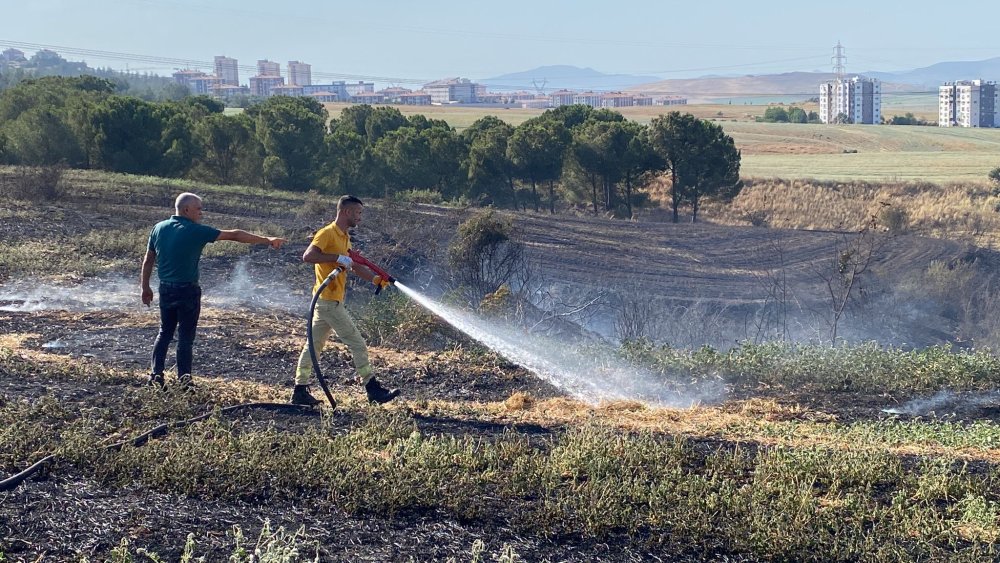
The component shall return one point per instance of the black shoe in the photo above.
(377, 393)
(185, 382)
(156, 380)
(301, 396)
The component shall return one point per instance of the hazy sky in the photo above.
(414, 41)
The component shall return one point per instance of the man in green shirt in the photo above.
(174, 248)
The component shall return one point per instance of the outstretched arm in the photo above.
(147, 270)
(240, 235)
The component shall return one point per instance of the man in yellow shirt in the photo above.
(328, 250)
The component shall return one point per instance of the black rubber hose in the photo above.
(15, 481)
(309, 336)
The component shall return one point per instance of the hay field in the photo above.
(886, 153)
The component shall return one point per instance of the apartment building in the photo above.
(968, 103)
(268, 68)
(299, 74)
(391, 95)
(359, 87)
(286, 90)
(338, 89)
(228, 70)
(227, 91)
(562, 98)
(418, 98)
(592, 99)
(184, 76)
(367, 98)
(202, 85)
(857, 100)
(617, 100)
(323, 97)
(451, 90)
(262, 86)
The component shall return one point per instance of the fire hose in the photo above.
(356, 258)
(309, 336)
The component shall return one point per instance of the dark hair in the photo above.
(348, 200)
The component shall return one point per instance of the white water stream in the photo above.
(586, 373)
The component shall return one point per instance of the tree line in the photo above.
(568, 156)
(48, 63)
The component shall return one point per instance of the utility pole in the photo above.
(838, 61)
(540, 88)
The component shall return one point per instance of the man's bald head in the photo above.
(188, 205)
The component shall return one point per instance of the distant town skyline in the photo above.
(411, 43)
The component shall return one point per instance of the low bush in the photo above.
(37, 185)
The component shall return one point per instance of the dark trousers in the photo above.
(180, 307)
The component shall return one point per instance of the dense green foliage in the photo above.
(572, 155)
(908, 119)
(778, 114)
(702, 160)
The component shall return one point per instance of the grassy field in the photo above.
(939, 167)
(867, 152)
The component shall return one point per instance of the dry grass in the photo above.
(951, 211)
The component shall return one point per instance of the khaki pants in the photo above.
(332, 315)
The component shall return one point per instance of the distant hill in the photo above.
(931, 77)
(563, 76)
(806, 83)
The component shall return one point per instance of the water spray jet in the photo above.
(587, 373)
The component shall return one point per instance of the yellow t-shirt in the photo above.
(331, 240)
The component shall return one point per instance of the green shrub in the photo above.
(994, 176)
(393, 319)
(895, 219)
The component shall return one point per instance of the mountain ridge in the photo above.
(555, 77)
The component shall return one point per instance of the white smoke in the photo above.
(947, 403)
(238, 290)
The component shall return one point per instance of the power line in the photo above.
(478, 34)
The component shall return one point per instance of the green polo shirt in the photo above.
(178, 243)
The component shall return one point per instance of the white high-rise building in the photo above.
(968, 103)
(858, 100)
(299, 74)
(268, 68)
(228, 70)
